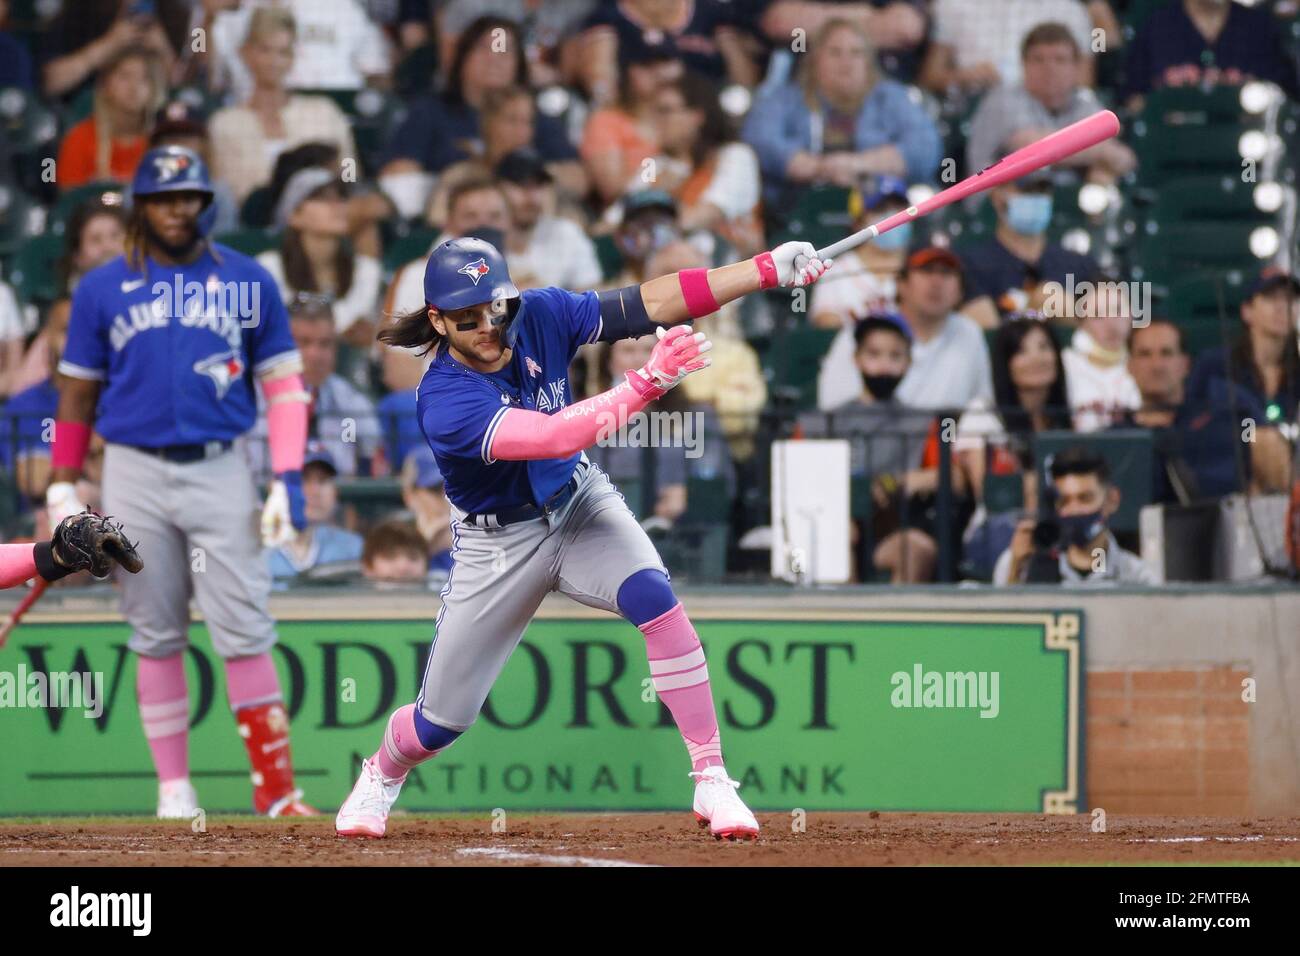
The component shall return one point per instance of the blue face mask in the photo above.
(897, 238)
(1029, 215)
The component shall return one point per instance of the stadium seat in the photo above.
(1163, 254)
(1205, 199)
(1186, 130)
(26, 124)
(707, 502)
(251, 242)
(1201, 334)
(795, 358)
(34, 273)
(820, 216)
(607, 254)
(15, 210)
(1130, 452)
(372, 113)
(108, 192)
(400, 250)
(1003, 493)
(1195, 298)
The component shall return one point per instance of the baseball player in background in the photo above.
(531, 514)
(163, 346)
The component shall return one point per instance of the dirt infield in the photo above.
(830, 839)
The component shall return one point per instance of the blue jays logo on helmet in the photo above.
(168, 166)
(476, 269)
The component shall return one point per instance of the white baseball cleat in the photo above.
(177, 800)
(365, 812)
(718, 805)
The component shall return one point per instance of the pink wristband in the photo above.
(71, 441)
(695, 290)
(767, 277)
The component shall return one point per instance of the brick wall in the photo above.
(1168, 741)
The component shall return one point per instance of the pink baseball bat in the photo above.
(16, 615)
(1050, 149)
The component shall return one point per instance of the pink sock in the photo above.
(401, 749)
(17, 564)
(681, 679)
(165, 712)
(251, 681)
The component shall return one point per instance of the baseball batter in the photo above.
(163, 346)
(531, 514)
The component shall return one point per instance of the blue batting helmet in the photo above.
(465, 272)
(173, 169)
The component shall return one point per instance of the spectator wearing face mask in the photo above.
(1006, 273)
(1082, 551)
(649, 223)
(888, 443)
(949, 358)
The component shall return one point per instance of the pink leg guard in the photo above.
(165, 712)
(251, 681)
(681, 679)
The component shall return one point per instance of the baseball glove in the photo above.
(90, 542)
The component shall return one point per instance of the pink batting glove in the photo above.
(678, 353)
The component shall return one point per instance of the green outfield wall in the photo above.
(953, 709)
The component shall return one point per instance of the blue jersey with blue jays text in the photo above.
(175, 346)
(459, 409)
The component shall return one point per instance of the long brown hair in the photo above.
(298, 272)
(410, 330)
(105, 133)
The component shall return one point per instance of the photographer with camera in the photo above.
(1069, 542)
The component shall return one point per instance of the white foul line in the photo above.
(500, 853)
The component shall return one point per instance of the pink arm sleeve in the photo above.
(522, 435)
(17, 564)
(286, 421)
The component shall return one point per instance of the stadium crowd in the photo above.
(1139, 299)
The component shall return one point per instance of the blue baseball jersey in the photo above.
(459, 408)
(175, 345)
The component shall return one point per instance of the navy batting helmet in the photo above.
(174, 169)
